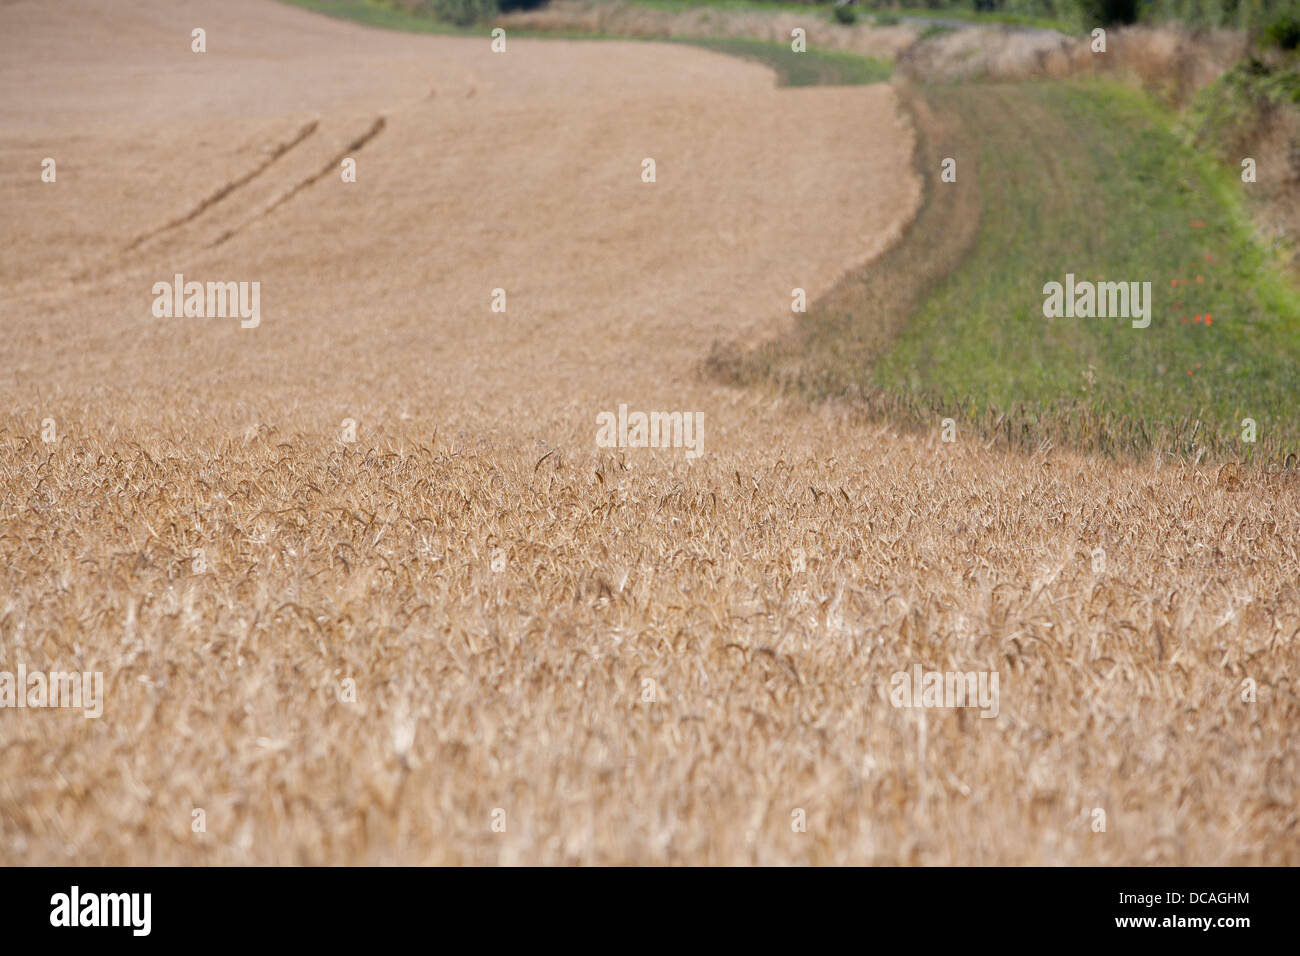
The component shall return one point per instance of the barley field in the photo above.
(365, 589)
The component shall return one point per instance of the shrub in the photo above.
(1107, 12)
(463, 13)
(1284, 32)
(845, 13)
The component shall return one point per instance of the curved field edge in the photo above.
(1080, 177)
(809, 68)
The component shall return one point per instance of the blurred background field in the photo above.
(1122, 164)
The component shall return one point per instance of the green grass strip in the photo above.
(1090, 179)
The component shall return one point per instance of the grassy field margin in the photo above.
(1082, 177)
(812, 68)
